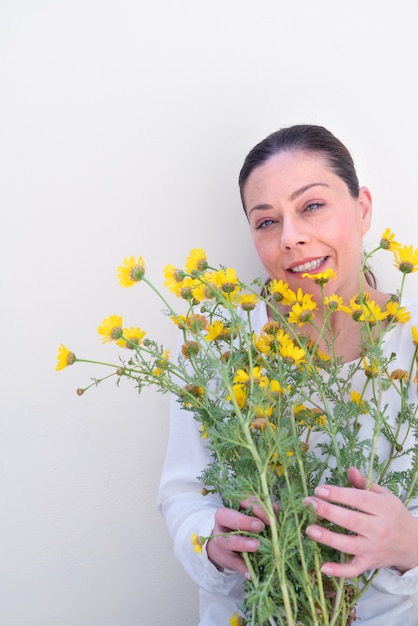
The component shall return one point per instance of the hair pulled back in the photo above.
(303, 138)
(306, 138)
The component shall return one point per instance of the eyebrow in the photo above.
(293, 196)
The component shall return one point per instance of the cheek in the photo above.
(266, 252)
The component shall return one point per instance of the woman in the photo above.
(306, 213)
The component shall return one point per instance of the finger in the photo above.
(349, 544)
(224, 559)
(352, 569)
(355, 521)
(229, 519)
(256, 509)
(360, 499)
(359, 481)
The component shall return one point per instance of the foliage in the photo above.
(278, 414)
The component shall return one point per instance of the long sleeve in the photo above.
(185, 509)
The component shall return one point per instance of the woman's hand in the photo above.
(385, 533)
(225, 551)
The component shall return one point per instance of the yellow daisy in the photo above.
(302, 313)
(236, 620)
(205, 287)
(355, 397)
(321, 279)
(227, 280)
(387, 241)
(64, 358)
(198, 542)
(406, 259)
(397, 312)
(215, 330)
(333, 302)
(245, 378)
(131, 337)
(281, 292)
(111, 328)
(291, 352)
(240, 394)
(247, 301)
(174, 278)
(414, 335)
(196, 261)
(131, 272)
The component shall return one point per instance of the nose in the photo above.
(293, 233)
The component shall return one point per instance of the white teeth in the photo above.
(307, 267)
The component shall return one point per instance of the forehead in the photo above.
(286, 172)
(301, 163)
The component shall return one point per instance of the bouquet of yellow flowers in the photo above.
(264, 401)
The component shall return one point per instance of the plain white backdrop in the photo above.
(123, 126)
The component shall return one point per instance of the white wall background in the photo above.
(123, 125)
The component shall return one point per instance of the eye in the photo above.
(313, 206)
(264, 224)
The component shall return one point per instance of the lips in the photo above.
(309, 266)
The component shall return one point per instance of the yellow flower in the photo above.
(362, 309)
(320, 419)
(406, 259)
(275, 465)
(333, 302)
(240, 394)
(247, 301)
(131, 337)
(64, 358)
(321, 279)
(244, 378)
(226, 280)
(196, 261)
(397, 312)
(292, 352)
(387, 241)
(236, 620)
(111, 328)
(355, 397)
(162, 363)
(131, 272)
(186, 289)
(215, 330)
(281, 292)
(198, 542)
(205, 287)
(414, 335)
(370, 369)
(203, 432)
(275, 387)
(302, 312)
(174, 278)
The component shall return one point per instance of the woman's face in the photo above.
(303, 219)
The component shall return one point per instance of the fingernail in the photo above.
(247, 575)
(326, 570)
(322, 491)
(310, 501)
(257, 526)
(313, 532)
(252, 544)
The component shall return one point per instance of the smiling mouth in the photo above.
(308, 267)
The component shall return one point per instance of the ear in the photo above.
(365, 206)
